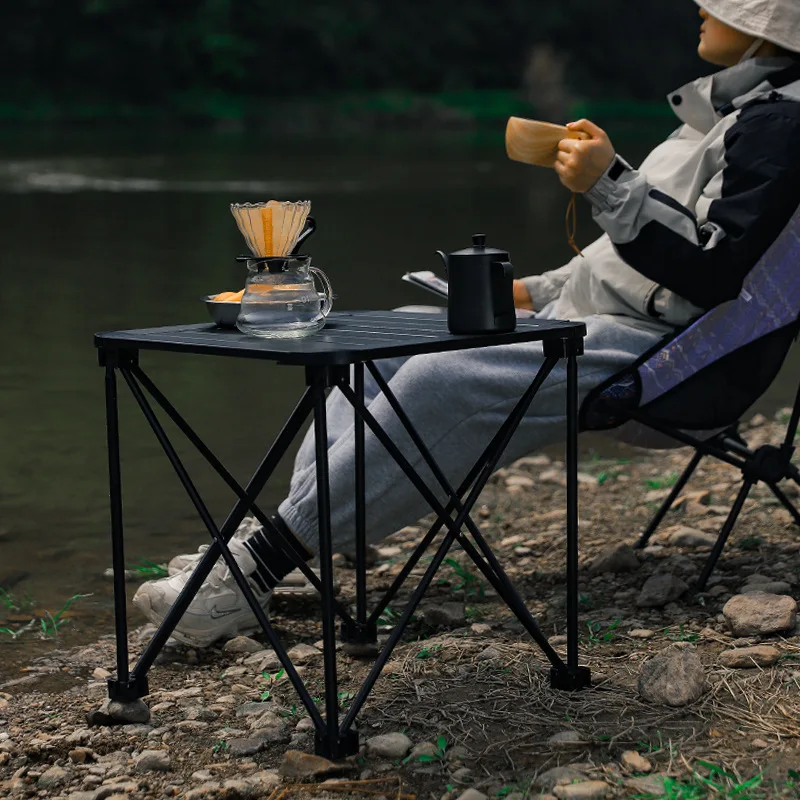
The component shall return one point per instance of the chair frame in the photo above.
(768, 463)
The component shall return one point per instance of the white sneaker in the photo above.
(246, 529)
(219, 609)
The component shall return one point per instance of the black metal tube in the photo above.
(219, 468)
(331, 731)
(117, 539)
(719, 545)
(502, 583)
(221, 545)
(791, 429)
(454, 526)
(667, 504)
(572, 513)
(785, 502)
(361, 502)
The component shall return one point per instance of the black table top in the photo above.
(349, 337)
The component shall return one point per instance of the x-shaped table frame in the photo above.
(334, 737)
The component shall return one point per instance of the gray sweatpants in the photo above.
(457, 401)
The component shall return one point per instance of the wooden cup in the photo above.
(532, 142)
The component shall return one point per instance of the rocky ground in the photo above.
(695, 694)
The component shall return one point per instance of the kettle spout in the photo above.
(444, 258)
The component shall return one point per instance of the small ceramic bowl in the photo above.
(224, 314)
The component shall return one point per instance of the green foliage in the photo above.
(464, 580)
(665, 482)
(222, 59)
(47, 622)
(149, 570)
(597, 635)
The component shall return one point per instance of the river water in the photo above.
(110, 230)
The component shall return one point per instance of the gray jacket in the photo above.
(683, 230)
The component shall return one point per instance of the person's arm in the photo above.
(536, 291)
(755, 195)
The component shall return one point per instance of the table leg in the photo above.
(576, 677)
(121, 687)
(328, 743)
(360, 631)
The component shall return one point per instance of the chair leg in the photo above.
(667, 504)
(724, 534)
(786, 502)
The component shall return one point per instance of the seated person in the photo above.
(680, 234)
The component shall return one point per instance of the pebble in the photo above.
(619, 559)
(423, 749)
(658, 590)
(242, 644)
(582, 791)
(303, 653)
(389, 745)
(748, 657)
(472, 794)
(649, 785)
(238, 747)
(691, 537)
(303, 765)
(641, 633)
(54, 776)
(760, 614)
(152, 761)
(445, 615)
(480, 628)
(634, 762)
(674, 677)
(770, 587)
(566, 739)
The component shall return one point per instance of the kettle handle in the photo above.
(327, 294)
(502, 283)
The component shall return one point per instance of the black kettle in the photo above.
(480, 289)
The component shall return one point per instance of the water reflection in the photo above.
(108, 232)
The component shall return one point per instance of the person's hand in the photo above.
(522, 297)
(581, 162)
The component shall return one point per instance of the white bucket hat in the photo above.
(776, 21)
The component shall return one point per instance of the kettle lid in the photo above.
(479, 248)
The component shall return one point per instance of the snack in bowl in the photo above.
(224, 307)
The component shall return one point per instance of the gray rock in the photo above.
(423, 749)
(446, 615)
(254, 709)
(759, 613)
(658, 590)
(649, 785)
(54, 776)
(245, 747)
(588, 790)
(152, 761)
(566, 740)
(296, 764)
(691, 537)
(303, 653)
(462, 775)
(747, 657)
(622, 558)
(242, 644)
(389, 745)
(472, 794)
(114, 712)
(769, 587)
(272, 735)
(490, 654)
(674, 677)
(547, 780)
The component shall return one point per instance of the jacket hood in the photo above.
(777, 21)
(704, 102)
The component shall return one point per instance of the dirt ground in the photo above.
(467, 685)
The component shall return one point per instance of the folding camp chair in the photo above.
(694, 387)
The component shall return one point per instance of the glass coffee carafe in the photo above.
(281, 299)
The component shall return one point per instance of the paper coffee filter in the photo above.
(272, 228)
(533, 142)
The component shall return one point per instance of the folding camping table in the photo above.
(336, 358)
